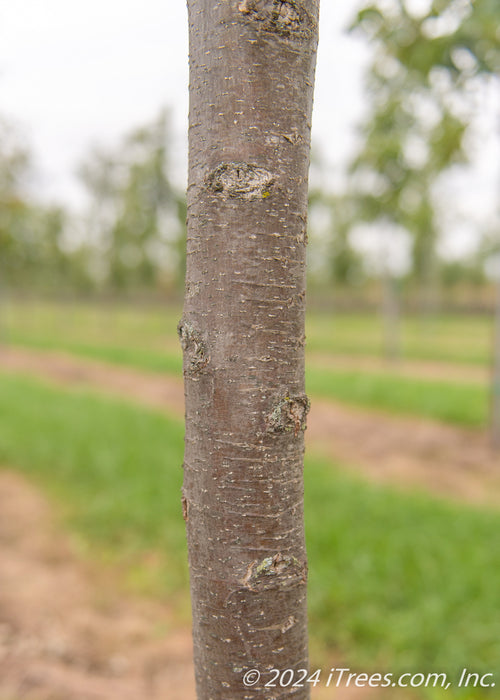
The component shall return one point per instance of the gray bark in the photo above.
(242, 332)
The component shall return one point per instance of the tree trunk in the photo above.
(242, 332)
(495, 378)
(391, 318)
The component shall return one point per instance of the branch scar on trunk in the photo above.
(277, 571)
(289, 414)
(243, 180)
(284, 17)
(185, 508)
(194, 347)
(284, 627)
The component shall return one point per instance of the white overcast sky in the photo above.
(78, 73)
(74, 74)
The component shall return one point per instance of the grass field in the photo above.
(449, 402)
(462, 339)
(401, 582)
(452, 339)
(146, 339)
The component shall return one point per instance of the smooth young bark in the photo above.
(242, 332)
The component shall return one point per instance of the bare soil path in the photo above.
(453, 462)
(415, 369)
(68, 632)
(64, 632)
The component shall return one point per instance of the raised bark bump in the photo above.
(288, 414)
(243, 180)
(288, 18)
(276, 571)
(194, 347)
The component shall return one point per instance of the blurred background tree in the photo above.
(376, 229)
(129, 237)
(424, 81)
(14, 209)
(32, 250)
(136, 217)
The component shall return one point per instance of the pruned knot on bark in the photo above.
(289, 414)
(284, 17)
(242, 180)
(185, 508)
(194, 347)
(277, 571)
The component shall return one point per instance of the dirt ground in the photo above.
(65, 632)
(453, 462)
(68, 631)
(415, 369)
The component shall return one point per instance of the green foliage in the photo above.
(345, 264)
(414, 132)
(398, 582)
(30, 233)
(136, 216)
(455, 272)
(132, 236)
(423, 41)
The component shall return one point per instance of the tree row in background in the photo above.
(135, 222)
(377, 235)
(129, 236)
(30, 232)
(432, 73)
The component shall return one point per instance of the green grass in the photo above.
(464, 339)
(146, 340)
(453, 339)
(397, 581)
(449, 402)
(403, 580)
(51, 324)
(118, 467)
(128, 356)
(461, 404)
